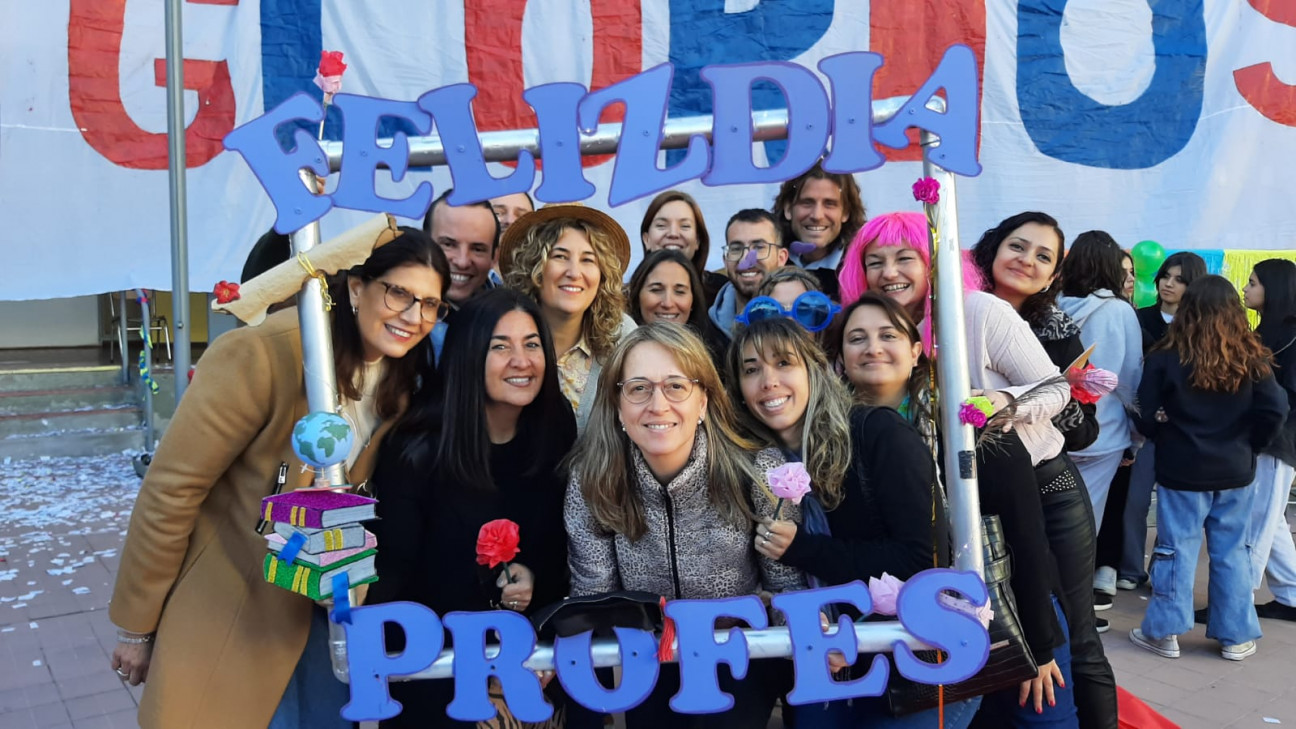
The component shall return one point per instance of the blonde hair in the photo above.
(825, 433)
(601, 325)
(602, 460)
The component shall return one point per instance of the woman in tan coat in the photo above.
(218, 645)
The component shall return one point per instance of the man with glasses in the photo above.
(469, 235)
(753, 249)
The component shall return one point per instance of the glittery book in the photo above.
(317, 509)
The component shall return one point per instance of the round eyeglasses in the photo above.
(813, 310)
(399, 300)
(639, 390)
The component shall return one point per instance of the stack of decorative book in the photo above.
(318, 538)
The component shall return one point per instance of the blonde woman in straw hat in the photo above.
(571, 259)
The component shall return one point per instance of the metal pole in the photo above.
(317, 338)
(504, 146)
(179, 212)
(877, 637)
(952, 373)
(148, 365)
(123, 339)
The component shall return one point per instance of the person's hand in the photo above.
(836, 660)
(131, 661)
(545, 677)
(516, 594)
(998, 400)
(1127, 462)
(774, 537)
(1040, 688)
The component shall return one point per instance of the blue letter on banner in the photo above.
(1068, 125)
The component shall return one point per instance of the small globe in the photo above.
(322, 439)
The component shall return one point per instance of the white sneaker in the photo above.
(1105, 580)
(1167, 647)
(1125, 584)
(1239, 651)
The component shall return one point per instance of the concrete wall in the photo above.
(50, 323)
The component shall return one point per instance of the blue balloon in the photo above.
(322, 439)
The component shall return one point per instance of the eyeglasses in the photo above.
(639, 390)
(735, 251)
(812, 310)
(399, 300)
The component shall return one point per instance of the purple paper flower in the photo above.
(789, 481)
(984, 613)
(970, 414)
(884, 592)
(927, 190)
(800, 248)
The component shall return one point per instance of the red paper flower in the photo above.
(226, 292)
(331, 63)
(927, 190)
(497, 542)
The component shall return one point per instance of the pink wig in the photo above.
(898, 229)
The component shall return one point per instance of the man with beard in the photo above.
(819, 213)
(753, 249)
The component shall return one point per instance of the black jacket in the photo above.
(1153, 325)
(1283, 345)
(1078, 422)
(1210, 439)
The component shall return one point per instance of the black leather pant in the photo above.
(1069, 521)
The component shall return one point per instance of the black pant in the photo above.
(1069, 521)
(754, 696)
(1111, 538)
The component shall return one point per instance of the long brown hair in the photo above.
(1211, 335)
(412, 248)
(853, 213)
(825, 433)
(602, 461)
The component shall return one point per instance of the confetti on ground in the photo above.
(80, 590)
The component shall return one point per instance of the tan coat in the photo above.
(227, 641)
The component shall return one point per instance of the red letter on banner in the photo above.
(494, 32)
(913, 37)
(1274, 99)
(94, 90)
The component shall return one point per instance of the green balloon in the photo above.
(1144, 293)
(1148, 255)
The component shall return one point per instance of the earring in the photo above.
(623, 428)
(700, 419)
(353, 309)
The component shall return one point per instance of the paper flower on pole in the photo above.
(226, 292)
(497, 542)
(329, 75)
(927, 191)
(975, 411)
(884, 592)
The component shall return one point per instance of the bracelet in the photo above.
(134, 640)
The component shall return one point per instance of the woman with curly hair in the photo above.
(571, 260)
(1209, 401)
(875, 505)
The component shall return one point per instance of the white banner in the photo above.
(1165, 120)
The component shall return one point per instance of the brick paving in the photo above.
(64, 520)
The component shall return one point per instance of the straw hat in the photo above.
(516, 234)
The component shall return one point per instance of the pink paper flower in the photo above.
(884, 592)
(789, 481)
(975, 411)
(1089, 384)
(983, 613)
(927, 190)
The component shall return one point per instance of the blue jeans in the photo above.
(872, 712)
(314, 697)
(1181, 516)
(1133, 562)
(1272, 549)
(1000, 709)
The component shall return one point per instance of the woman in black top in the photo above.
(1272, 292)
(482, 441)
(1172, 279)
(870, 471)
(666, 287)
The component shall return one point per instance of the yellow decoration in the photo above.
(1238, 265)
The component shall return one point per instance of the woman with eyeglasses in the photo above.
(217, 644)
(891, 255)
(571, 260)
(665, 287)
(481, 441)
(663, 498)
(876, 506)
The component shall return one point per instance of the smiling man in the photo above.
(469, 235)
(823, 210)
(753, 249)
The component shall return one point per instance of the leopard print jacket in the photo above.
(688, 552)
